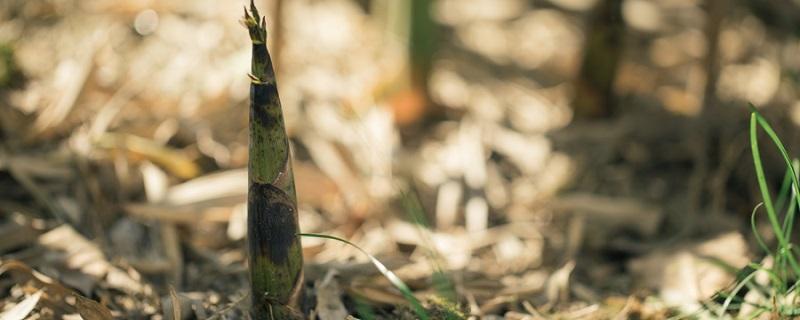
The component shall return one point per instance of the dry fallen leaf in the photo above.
(329, 301)
(22, 309)
(55, 293)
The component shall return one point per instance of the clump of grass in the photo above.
(778, 297)
(393, 278)
(441, 308)
(441, 282)
(437, 308)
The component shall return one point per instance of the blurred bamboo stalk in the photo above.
(422, 41)
(714, 14)
(392, 17)
(594, 87)
(707, 134)
(411, 22)
(275, 255)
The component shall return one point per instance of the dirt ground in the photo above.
(123, 156)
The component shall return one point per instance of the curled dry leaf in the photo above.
(54, 293)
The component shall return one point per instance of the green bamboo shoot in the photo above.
(275, 254)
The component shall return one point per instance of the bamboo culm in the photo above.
(275, 254)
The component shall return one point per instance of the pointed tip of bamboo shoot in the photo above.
(261, 70)
(254, 9)
(255, 24)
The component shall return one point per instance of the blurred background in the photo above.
(566, 158)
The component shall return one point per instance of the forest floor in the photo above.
(123, 156)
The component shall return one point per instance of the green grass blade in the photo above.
(364, 310)
(762, 182)
(756, 234)
(786, 185)
(733, 293)
(393, 278)
(755, 121)
(784, 154)
(442, 283)
(788, 223)
(771, 274)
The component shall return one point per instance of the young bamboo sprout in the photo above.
(275, 255)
